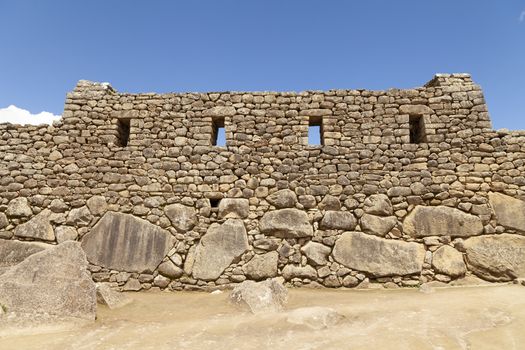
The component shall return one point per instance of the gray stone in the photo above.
(132, 285)
(3, 221)
(496, 258)
(53, 282)
(182, 217)
(112, 299)
(39, 227)
(350, 281)
(161, 281)
(260, 297)
(378, 256)
(262, 266)
(295, 271)
(218, 248)
(97, 205)
(286, 223)
(441, 221)
(66, 233)
(449, 261)
(170, 270)
(314, 317)
(283, 199)
(58, 206)
(13, 252)
(19, 207)
(234, 208)
(377, 225)
(330, 202)
(316, 253)
(79, 217)
(510, 212)
(124, 242)
(378, 204)
(338, 220)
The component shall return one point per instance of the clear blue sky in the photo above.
(161, 46)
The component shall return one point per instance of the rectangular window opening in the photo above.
(417, 129)
(123, 127)
(218, 137)
(315, 131)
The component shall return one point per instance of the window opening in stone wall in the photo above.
(214, 202)
(218, 137)
(123, 127)
(315, 131)
(417, 129)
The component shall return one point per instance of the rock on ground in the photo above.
(260, 297)
(315, 317)
(110, 298)
(54, 282)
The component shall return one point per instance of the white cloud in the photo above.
(15, 115)
(522, 16)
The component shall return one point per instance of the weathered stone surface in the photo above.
(65, 233)
(218, 248)
(170, 270)
(338, 220)
(378, 256)
(13, 252)
(19, 207)
(496, 258)
(54, 281)
(182, 217)
(415, 109)
(220, 111)
(39, 227)
(314, 317)
(110, 298)
(378, 204)
(295, 271)
(126, 243)
(58, 206)
(234, 208)
(283, 199)
(97, 205)
(316, 253)
(449, 261)
(441, 221)
(3, 221)
(260, 297)
(132, 285)
(377, 225)
(286, 223)
(79, 217)
(330, 202)
(262, 266)
(510, 212)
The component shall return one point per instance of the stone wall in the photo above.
(166, 208)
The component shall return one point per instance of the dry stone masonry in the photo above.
(407, 187)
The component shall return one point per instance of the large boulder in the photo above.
(316, 253)
(262, 266)
(283, 199)
(286, 223)
(13, 252)
(111, 298)
(124, 242)
(377, 225)
(217, 249)
(338, 220)
(182, 217)
(448, 261)
(260, 297)
(441, 221)
(234, 208)
(510, 212)
(378, 256)
(378, 204)
(19, 207)
(496, 257)
(39, 227)
(53, 282)
(314, 317)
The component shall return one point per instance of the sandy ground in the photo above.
(490, 317)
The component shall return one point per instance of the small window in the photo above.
(218, 137)
(417, 129)
(315, 131)
(214, 202)
(123, 126)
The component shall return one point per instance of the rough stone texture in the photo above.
(53, 282)
(441, 221)
(262, 266)
(378, 256)
(314, 317)
(234, 208)
(39, 227)
(294, 271)
(377, 225)
(111, 298)
(260, 297)
(496, 258)
(338, 220)
(65, 233)
(13, 252)
(97, 205)
(19, 207)
(3, 221)
(182, 217)
(509, 211)
(217, 249)
(170, 270)
(316, 253)
(282, 199)
(449, 261)
(378, 204)
(286, 223)
(126, 243)
(79, 217)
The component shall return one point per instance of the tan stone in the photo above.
(448, 261)
(509, 211)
